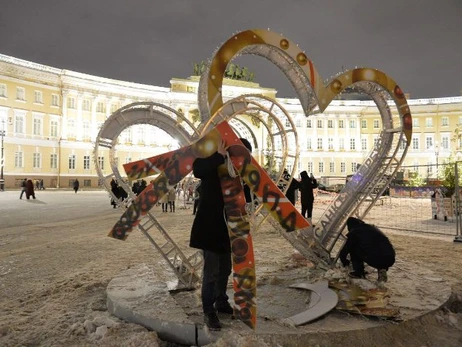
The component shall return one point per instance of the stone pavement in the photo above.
(142, 295)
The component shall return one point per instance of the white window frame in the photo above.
(18, 159)
(54, 127)
(19, 123)
(319, 143)
(71, 102)
(3, 90)
(86, 162)
(54, 100)
(445, 142)
(36, 160)
(86, 105)
(429, 143)
(101, 162)
(364, 144)
(86, 130)
(38, 97)
(352, 144)
(71, 164)
(53, 161)
(37, 125)
(20, 94)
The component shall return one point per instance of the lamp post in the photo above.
(2, 181)
(437, 152)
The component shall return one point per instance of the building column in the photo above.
(79, 124)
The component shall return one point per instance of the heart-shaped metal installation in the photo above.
(385, 158)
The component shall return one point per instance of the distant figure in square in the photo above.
(23, 187)
(307, 184)
(30, 189)
(171, 198)
(76, 185)
(367, 244)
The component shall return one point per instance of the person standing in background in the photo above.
(171, 198)
(76, 185)
(307, 184)
(30, 189)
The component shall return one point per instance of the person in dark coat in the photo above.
(76, 185)
(141, 187)
(30, 189)
(247, 191)
(293, 186)
(367, 244)
(307, 184)
(115, 191)
(210, 234)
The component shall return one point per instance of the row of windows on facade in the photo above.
(101, 107)
(37, 161)
(37, 129)
(71, 101)
(430, 144)
(127, 136)
(352, 123)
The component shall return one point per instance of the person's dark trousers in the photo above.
(22, 192)
(357, 262)
(216, 271)
(307, 209)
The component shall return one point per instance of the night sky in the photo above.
(416, 42)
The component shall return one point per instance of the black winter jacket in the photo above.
(209, 229)
(368, 244)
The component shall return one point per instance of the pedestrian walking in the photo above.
(76, 185)
(30, 189)
(23, 187)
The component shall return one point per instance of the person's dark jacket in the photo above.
(30, 189)
(290, 193)
(369, 244)
(209, 230)
(307, 184)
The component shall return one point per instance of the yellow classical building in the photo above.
(50, 119)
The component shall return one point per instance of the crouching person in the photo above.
(367, 244)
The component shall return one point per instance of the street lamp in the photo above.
(2, 181)
(437, 152)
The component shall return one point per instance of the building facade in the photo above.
(51, 118)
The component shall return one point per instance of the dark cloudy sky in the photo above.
(416, 42)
